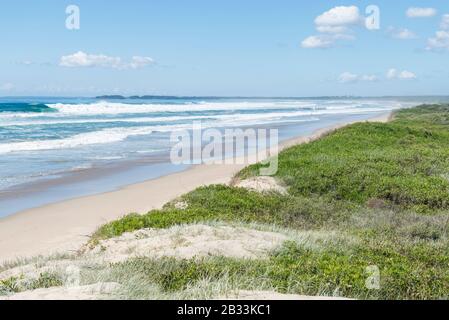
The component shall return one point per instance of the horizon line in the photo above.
(120, 97)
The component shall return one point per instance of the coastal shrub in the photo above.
(45, 280)
(9, 286)
(19, 284)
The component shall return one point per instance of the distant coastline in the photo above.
(182, 97)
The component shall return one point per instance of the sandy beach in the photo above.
(66, 226)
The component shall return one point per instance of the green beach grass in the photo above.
(382, 187)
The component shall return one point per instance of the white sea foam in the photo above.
(16, 121)
(119, 134)
(122, 108)
(218, 118)
(61, 120)
(113, 108)
(89, 138)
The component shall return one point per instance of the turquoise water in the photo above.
(44, 138)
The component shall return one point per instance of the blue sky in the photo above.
(226, 48)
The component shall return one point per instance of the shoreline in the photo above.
(65, 226)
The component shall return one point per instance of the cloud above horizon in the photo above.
(392, 74)
(400, 75)
(416, 12)
(324, 41)
(401, 33)
(333, 25)
(81, 59)
(339, 24)
(339, 17)
(440, 42)
(348, 77)
(445, 22)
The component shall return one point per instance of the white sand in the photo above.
(262, 184)
(186, 242)
(66, 226)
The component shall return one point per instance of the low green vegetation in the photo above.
(8, 286)
(19, 284)
(404, 163)
(45, 280)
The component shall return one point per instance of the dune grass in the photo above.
(13, 285)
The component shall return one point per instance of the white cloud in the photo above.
(421, 12)
(339, 16)
(401, 75)
(82, 59)
(140, 62)
(440, 42)
(369, 78)
(401, 33)
(405, 75)
(348, 77)
(324, 40)
(343, 36)
(445, 22)
(319, 41)
(333, 25)
(392, 73)
(332, 29)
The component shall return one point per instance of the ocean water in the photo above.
(44, 138)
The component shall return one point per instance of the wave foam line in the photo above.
(218, 117)
(89, 138)
(117, 108)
